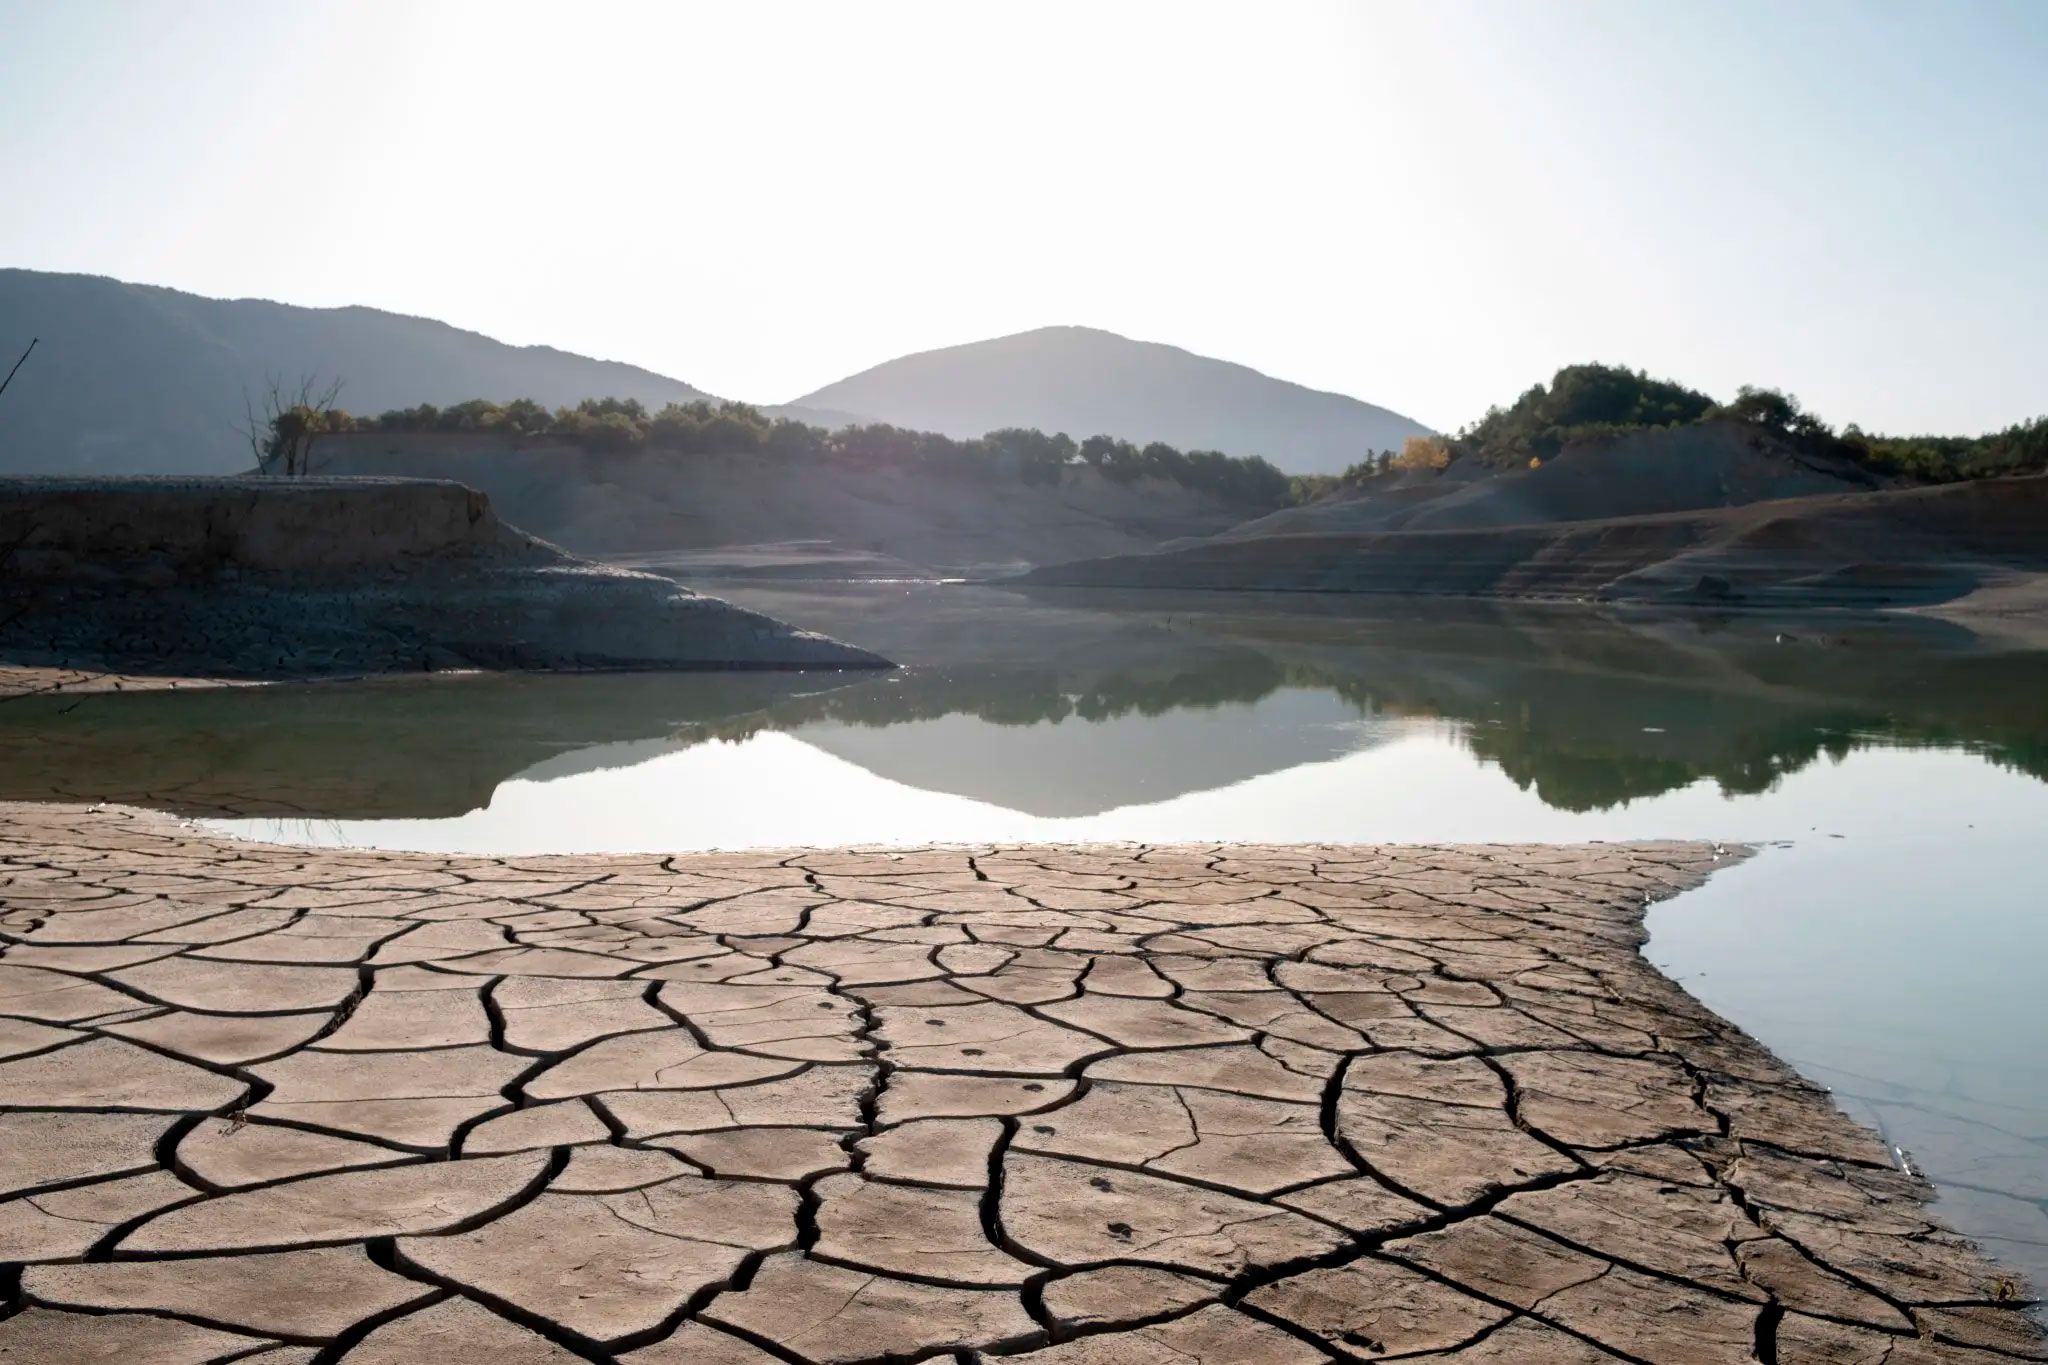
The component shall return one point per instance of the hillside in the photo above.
(1083, 381)
(1608, 484)
(135, 379)
(758, 512)
(1642, 472)
(1910, 547)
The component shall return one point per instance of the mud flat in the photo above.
(1062, 1104)
(296, 578)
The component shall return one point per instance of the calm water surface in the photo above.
(1890, 941)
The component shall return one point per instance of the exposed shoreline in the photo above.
(272, 578)
(1970, 546)
(1244, 1103)
(2014, 614)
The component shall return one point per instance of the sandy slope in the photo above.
(1888, 549)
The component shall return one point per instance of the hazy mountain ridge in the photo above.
(134, 378)
(1085, 381)
(137, 378)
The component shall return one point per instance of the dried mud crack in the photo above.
(1055, 1104)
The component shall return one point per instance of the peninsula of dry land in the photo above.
(272, 577)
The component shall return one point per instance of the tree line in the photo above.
(1583, 401)
(296, 419)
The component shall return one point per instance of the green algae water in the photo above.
(1889, 938)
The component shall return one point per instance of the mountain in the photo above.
(136, 379)
(139, 379)
(1084, 381)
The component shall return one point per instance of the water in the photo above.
(1888, 941)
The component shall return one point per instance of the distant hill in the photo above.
(1606, 484)
(1721, 513)
(139, 379)
(1083, 381)
(136, 379)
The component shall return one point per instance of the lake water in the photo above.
(1890, 941)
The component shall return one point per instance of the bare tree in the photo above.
(283, 425)
(18, 364)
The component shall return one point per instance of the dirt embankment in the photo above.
(257, 577)
(1632, 474)
(1880, 549)
(757, 514)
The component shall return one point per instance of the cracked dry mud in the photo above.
(1063, 1105)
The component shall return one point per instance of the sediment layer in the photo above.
(1914, 547)
(296, 578)
(1240, 1104)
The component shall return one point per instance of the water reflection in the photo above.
(398, 747)
(1887, 945)
(1084, 706)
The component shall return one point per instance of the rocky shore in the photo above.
(298, 578)
(1062, 1104)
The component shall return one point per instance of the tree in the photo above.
(1117, 459)
(1035, 456)
(527, 417)
(1771, 408)
(478, 414)
(791, 440)
(1423, 452)
(282, 430)
(1579, 401)
(1765, 407)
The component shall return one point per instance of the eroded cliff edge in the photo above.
(294, 578)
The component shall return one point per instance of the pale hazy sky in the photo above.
(1429, 205)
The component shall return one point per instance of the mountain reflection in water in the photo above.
(1083, 705)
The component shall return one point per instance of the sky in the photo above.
(1427, 205)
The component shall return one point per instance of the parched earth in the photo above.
(1061, 1105)
(23, 680)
